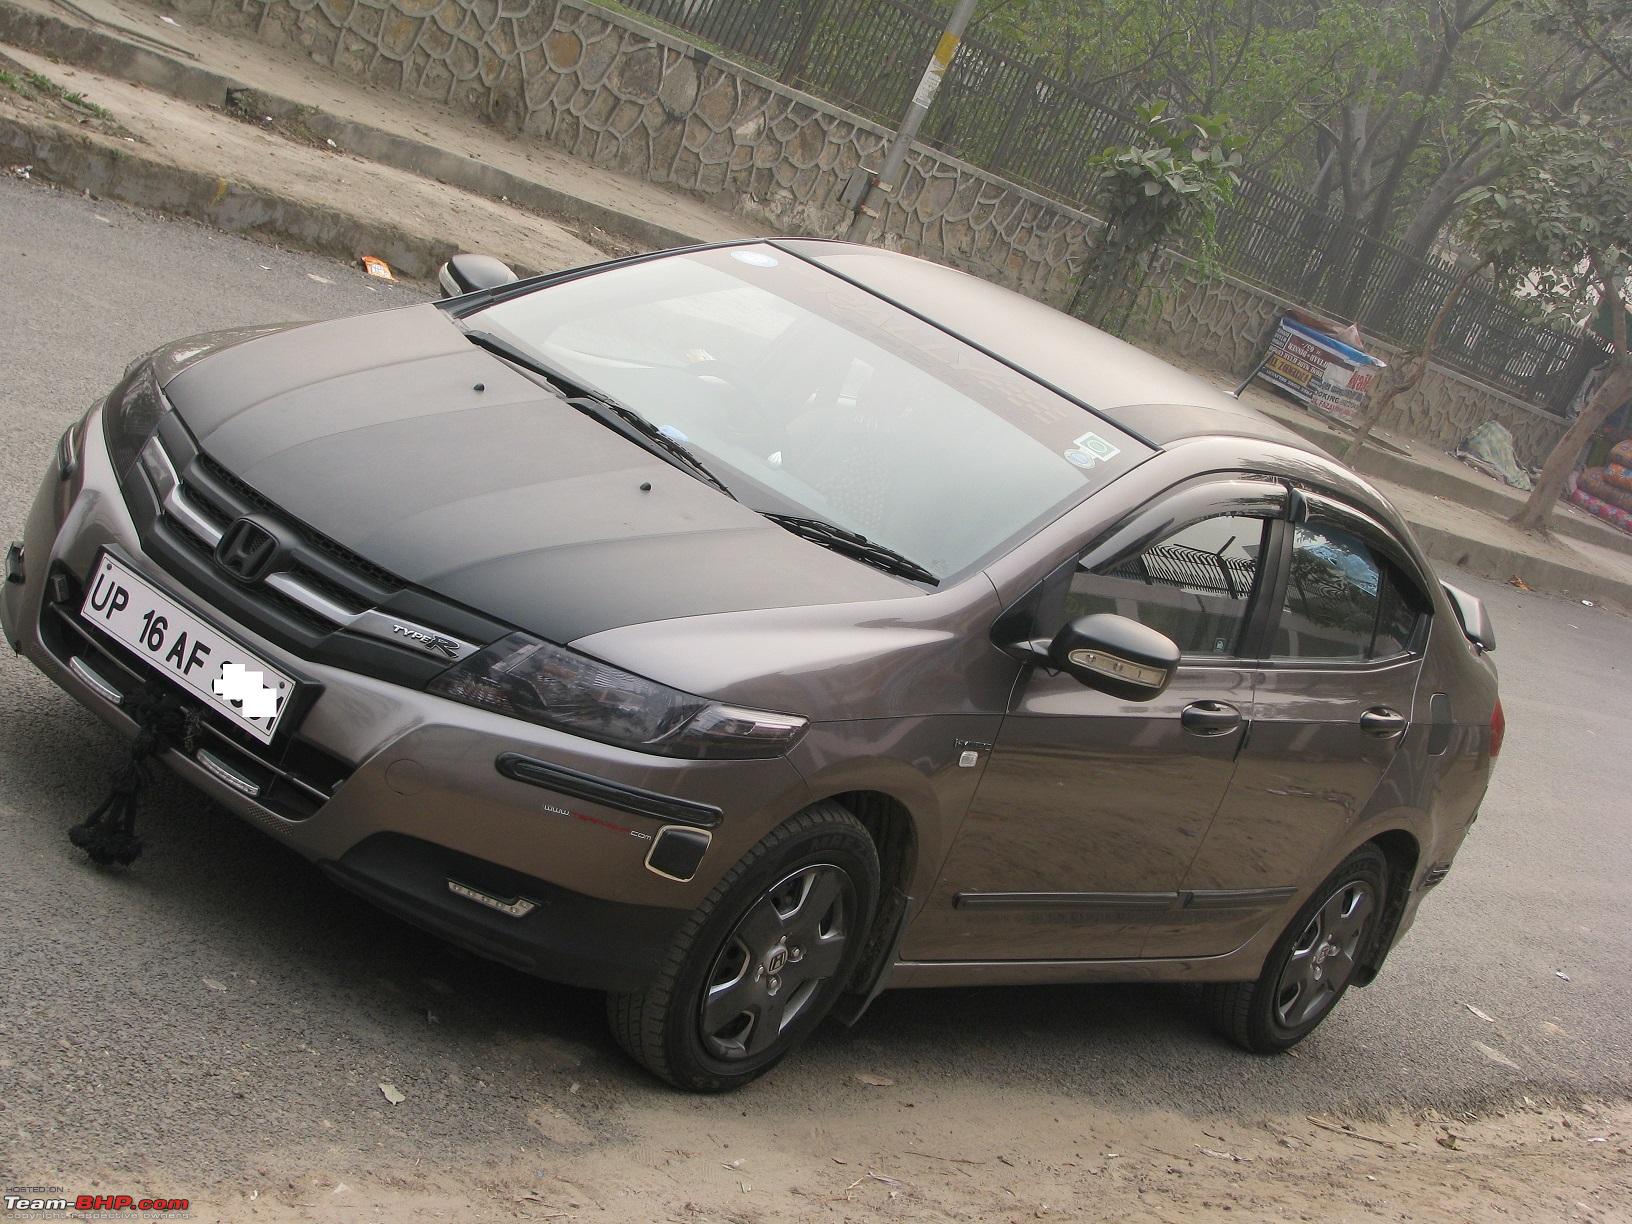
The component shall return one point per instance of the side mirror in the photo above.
(1471, 615)
(468, 273)
(1115, 655)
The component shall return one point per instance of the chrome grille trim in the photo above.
(312, 600)
(108, 691)
(186, 514)
(193, 520)
(223, 772)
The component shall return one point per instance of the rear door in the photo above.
(1331, 708)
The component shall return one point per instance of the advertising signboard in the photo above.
(1319, 370)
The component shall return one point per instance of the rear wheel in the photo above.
(1312, 964)
(763, 959)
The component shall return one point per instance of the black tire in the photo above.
(727, 949)
(1311, 966)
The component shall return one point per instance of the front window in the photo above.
(809, 396)
(1195, 585)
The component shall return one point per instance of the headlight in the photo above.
(526, 678)
(131, 415)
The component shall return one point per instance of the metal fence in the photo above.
(1191, 569)
(999, 110)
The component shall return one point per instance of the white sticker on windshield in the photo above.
(757, 258)
(1091, 449)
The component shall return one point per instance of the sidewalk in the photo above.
(260, 140)
(275, 127)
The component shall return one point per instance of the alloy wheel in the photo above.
(1324, 957)
(788, 943)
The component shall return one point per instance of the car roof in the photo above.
(1138, 392)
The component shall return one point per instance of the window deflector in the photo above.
(1175, 510)
(1358, 522)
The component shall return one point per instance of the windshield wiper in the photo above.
(608, 412)
(851, 544)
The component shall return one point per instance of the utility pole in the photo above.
(890, 174)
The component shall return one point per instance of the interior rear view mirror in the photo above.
(468, 273)
(1115, 655)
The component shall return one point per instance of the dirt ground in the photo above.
(283, 162)
(947, 1156)
(31, 92)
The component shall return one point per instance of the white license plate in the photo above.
(191, 651)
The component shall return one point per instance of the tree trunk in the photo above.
(1442, 199)
(1537, 512)
(1411, 369)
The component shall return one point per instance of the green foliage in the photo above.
(1599, 27)
(1556, 225)
(1363, 103)
(1166, 189)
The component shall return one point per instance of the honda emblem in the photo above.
(246, 550)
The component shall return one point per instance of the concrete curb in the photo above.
(1499, 564)
(110, 55)
(73, 159)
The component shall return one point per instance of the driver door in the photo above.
(1091, 808)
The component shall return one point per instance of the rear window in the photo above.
(1343, 602)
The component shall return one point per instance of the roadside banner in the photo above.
(1319, 370)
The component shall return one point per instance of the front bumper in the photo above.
(399, 794)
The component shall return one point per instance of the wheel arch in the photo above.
(1403, 852)
(891, 825)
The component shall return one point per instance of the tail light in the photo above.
(1498, 729)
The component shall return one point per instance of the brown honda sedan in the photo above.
(744, 630)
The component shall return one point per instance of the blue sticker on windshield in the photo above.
(757, 258)
(1090, 449)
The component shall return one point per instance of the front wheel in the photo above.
(1312, 964)
(762, 960)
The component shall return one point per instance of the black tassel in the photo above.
(108, 835)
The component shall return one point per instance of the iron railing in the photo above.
(999, 110)
(1190, 569)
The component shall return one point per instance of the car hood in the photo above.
(396, 437)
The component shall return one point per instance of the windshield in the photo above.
(809, 396)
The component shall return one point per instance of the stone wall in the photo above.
(1225, 323)
(621, 94)
(615, 92)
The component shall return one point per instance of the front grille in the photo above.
(338, 572)
(320, 601)
(205, 506)
(253, 501)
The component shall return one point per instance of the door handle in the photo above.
(1382, 722)
(1210, 718)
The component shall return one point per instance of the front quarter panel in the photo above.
(930, 765)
